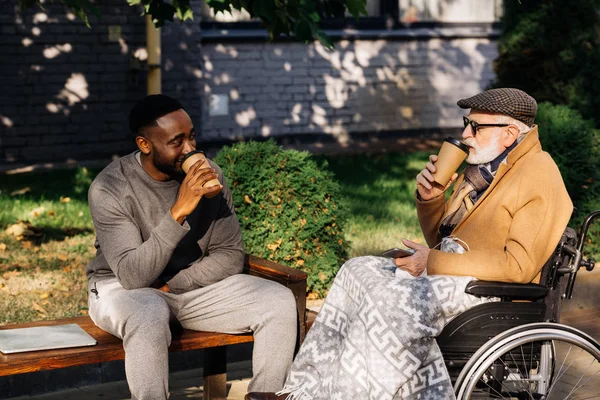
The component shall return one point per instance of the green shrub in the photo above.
(288, 208)
(82, 181)
(551, 49)
(574, 144)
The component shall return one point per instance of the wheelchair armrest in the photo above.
(506, 290)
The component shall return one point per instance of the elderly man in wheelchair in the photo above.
(474, 315)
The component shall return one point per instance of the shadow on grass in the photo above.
(49, 185)
(48, 234)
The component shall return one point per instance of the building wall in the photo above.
(364, 86)
(67, 89)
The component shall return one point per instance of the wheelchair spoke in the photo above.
(576, 387)
(560, 372)
(525, 372)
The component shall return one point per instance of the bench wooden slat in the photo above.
(109, 348)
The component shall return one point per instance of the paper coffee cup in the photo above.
(192, 158)
(451, 155)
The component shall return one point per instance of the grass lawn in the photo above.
(46, 239)
(379, 192)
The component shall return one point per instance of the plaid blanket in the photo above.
(374, 336)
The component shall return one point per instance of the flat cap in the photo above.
(506, 101)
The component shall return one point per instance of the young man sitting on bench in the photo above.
(170, 249)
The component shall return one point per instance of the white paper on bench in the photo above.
(44, 338)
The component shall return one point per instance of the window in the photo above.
(208, 15)
(387, 15)
(451, 11)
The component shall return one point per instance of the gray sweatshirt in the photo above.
(138, 241)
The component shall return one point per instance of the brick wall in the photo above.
(364, 86)
(67, 89)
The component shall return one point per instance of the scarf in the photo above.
(477, 178)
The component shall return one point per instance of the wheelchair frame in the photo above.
(526, 315)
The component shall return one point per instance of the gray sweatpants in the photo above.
(237, 304)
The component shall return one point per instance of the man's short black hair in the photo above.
(146, 111)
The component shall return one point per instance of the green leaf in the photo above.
(23, 4)
(219, 5)
(303, 30)
(325, 40)
(183, 10)
(357, 7)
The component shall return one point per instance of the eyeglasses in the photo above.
(477, 125)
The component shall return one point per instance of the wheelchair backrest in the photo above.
(552, 279)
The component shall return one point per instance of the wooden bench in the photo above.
(110, 348)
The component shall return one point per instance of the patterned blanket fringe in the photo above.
(294, 394)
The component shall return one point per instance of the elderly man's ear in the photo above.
(510, 135)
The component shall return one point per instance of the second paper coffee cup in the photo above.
(190, 159)
(451, 155)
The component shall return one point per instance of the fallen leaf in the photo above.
(45, 303)
(299, 263)
(11, 274)
(247, 199)
(274, 246)
(27, 244)
(63, 257)
(83, 312)
(312, 296)
(67, 269)
(36, 212)
(61, 288)
(38, 308)
(65, 199)
(44, 296)
(2, 247)
(51, 213)
(2, 285)
(21, 191)
(80, 214)
(19, 229)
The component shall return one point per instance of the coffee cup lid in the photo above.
(191, 153)
(458, 144)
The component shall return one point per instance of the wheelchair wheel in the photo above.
(539, 361)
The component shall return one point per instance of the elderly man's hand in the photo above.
(415, 264)
(427, 187)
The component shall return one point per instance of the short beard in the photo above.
(170, 169)
(482, 155)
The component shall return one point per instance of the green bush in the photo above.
(288, 208)
(574, 144)
(551, 49)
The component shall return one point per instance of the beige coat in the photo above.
(513, 228)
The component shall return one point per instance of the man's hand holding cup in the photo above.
(200, 181)
(439, 173)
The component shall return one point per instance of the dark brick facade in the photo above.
(67, 89)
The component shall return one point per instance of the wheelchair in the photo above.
(516, 348)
